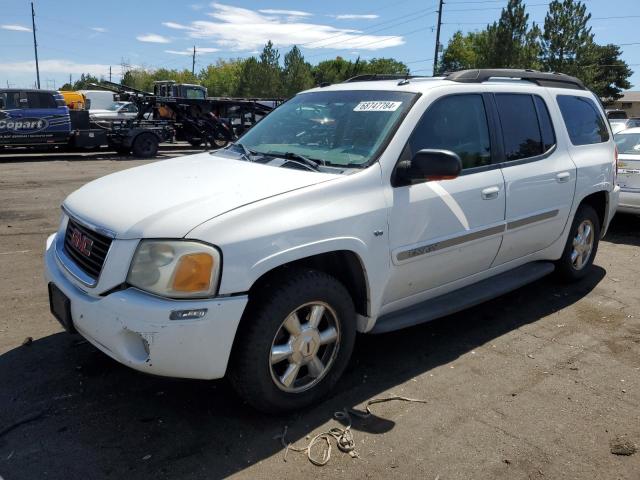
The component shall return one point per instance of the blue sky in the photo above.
(77, 36)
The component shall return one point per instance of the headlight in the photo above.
(175, 268)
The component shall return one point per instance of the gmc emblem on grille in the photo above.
(81, 242)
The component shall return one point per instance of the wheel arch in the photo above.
(599, 201)
(344, 265)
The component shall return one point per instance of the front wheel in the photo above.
(581, 247)
(294, 343)
(145, 145)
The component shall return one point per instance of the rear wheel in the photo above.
(145, 145)
(295, 343)
(582, 245)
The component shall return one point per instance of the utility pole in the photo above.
(70, 82)
(109, 72)
(35, 43)
(193, 63)
(435, 55)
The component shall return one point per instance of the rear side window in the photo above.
(457, 123)
(41, 100)
(520, 128)
(583, 120)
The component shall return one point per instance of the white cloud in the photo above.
(153, 38)
(176, 26)
(242, 29)
(196, 6)
(99, 29)
(189, 51)
(56, 66)
(355, 16)
(288, 13)
(15, 28)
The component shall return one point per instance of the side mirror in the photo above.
(1, 103)
(428, 165)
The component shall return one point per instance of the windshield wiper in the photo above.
(243, 150)
(310, 162)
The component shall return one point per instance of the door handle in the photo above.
(490, 193)
(563, 177)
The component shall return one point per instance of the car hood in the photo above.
(167, 199)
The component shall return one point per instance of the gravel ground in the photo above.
(542, 383)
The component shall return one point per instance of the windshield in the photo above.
(341, 128)
(628, 143)
(115, 106)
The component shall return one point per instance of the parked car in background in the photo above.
(616, 114)
(628, 142)
(618, 125)
(115, 111)
(98, 99)
(366, 206)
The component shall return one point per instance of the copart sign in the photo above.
(23, 126)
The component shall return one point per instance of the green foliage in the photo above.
(464, 52)
(603, 70)
(296, 75)
(565, 35)
(249, 83)
(84, 82)
(221, 79)
(565, 44)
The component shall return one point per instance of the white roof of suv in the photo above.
(525, 78)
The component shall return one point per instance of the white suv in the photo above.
(366, 206)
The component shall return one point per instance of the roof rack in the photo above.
(369, 77)
(558, 80)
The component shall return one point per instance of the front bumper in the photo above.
(629, 201)
(133, 327)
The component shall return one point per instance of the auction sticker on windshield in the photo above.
(377, 106)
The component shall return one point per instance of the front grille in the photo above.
(88, 250)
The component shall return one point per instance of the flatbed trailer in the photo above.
(40, 119)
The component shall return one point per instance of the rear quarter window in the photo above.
(583, 120)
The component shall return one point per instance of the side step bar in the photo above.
(463, 298)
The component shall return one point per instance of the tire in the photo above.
(261, 368)
(145, 145)
(582, 245)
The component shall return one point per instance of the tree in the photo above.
(85, 81)
(565, 35)
(249, 78)
(603, 71)
(296, 75)
(335, 71)
(509, 40)
(384, 65)
(221, 79)
(463, 52)
(270, 86)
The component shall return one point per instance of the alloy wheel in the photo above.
(582, 245)
(304, 347)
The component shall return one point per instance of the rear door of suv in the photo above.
(539, 174)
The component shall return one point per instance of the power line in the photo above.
(368, 31)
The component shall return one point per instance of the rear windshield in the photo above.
(628, 143)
